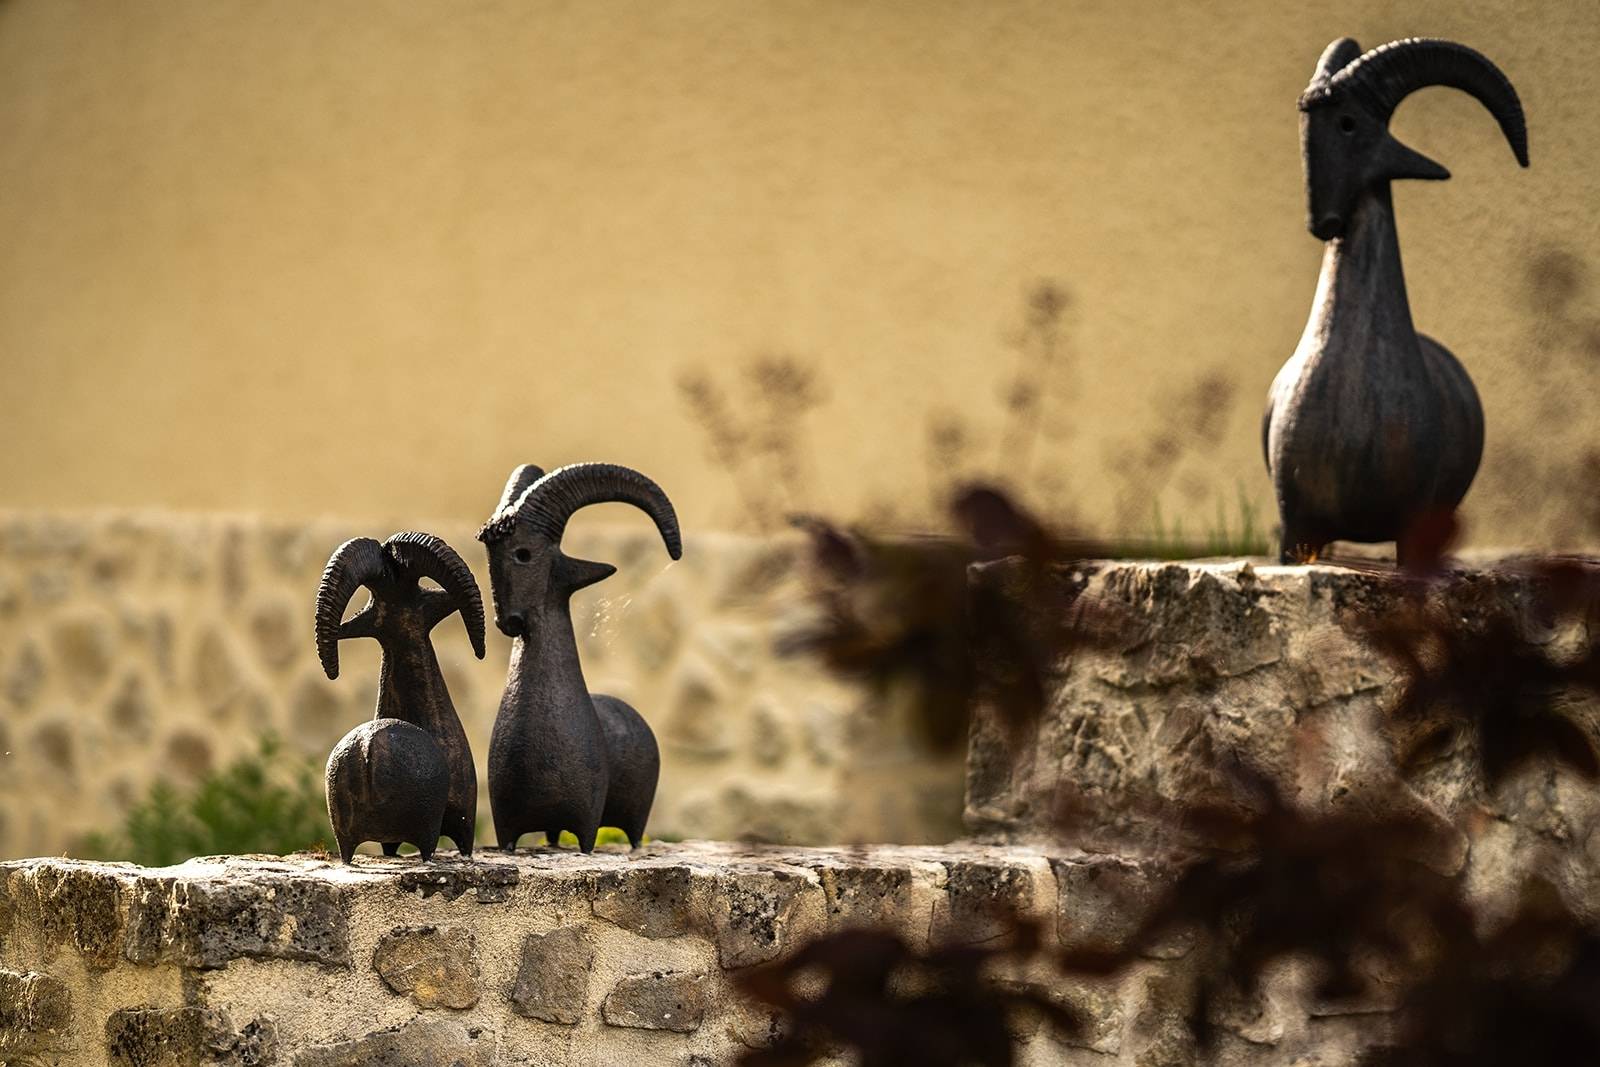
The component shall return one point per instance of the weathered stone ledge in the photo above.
(542, 958)
(1267, 666)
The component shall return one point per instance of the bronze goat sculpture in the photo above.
(1370, 427)
(408, 774)
(561, 758)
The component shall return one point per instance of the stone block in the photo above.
(659, 1000)
(84, 646)
(984, 900)
(1101, 901)
(67, 906)
(552, 982)
(752, 910)
(275, 630)
(25, 676)
(437, 967)
(129, 711)
(488, 882)
(653, 900)
(874, 892)
(1098, 1005)
(35, 1012)
(199, 922)
(187, 1037)
(423, 1042)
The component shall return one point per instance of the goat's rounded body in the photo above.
(576, 771)
(388, 782)
(1369, 426)
(634, 762)
(1362, 445)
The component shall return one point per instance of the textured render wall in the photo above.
(440, 240)
(141, 645)
(544, 960)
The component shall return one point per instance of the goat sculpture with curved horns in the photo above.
(1371, 427)
(408, 774)
(561, 758)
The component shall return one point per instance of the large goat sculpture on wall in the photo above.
(1370, 427)
(561, 758)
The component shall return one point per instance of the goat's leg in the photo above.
(391, 848)
(347, 849)
(506, 837)
(586, 836)
(430, 839)
(552, 839)
(1298, 544)
(460, 830)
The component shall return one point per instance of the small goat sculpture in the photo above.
(408, 774)
(561, 758)
(1371, 427)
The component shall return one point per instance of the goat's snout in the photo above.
(1327, 227)
(511, 623)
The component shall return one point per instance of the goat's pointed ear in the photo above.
(1395, 160)
(362, 624)
(574, 574)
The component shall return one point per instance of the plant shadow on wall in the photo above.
(1367, 908)
(757, 433)
(1533, 488)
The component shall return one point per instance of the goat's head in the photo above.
(528, 572)
(1345, 111)
(392, 572)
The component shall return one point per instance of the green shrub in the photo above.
(266, 802)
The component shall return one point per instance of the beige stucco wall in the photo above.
(306, 258)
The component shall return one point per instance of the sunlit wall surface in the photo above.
(303, 258)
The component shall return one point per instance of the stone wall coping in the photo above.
(546, 863)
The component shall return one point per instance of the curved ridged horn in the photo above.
(1338, 55)
(353, 564)
(1391, 72)
(428, 556)
(547, 504)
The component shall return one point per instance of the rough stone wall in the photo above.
(133, 646)
(1256, 663)
(545, 959)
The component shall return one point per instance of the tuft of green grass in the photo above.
(1239, 533)
(264, 802)
(608, 835)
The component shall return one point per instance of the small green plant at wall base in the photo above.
(264, 802)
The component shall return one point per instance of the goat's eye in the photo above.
(1347, 124)
(523, 555)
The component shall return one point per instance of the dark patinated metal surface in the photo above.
(561, 758)
(384, 778)
(1371, 427)
(387, 781)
